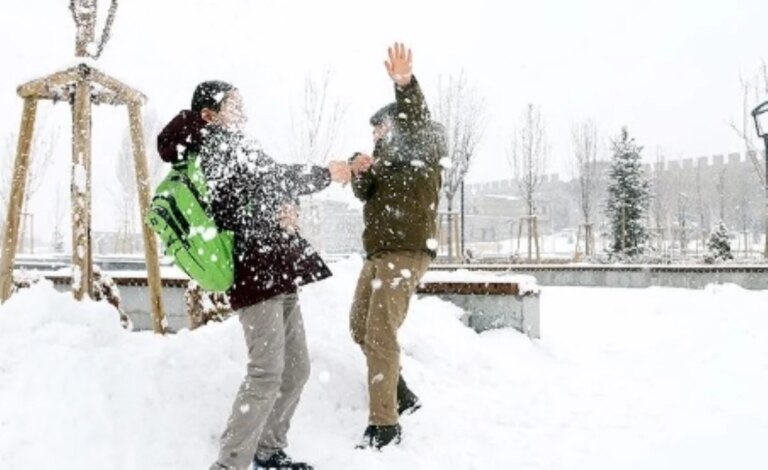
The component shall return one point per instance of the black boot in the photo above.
(407, 401)
(279, 461)
(380, 436)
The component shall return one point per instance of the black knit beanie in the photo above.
(210, 94)
(387, 111)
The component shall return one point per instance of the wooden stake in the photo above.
(18, 188)
(82, 274)
(150, 242)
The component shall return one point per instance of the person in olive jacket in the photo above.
(255, 197)
(400, 188)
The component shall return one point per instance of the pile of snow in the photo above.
(655, 378)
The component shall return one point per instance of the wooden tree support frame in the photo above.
(82, 87)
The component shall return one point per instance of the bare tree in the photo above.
(125, 193)
(528, 158)
(85, 14)
(754, 90)
(682, 215)
(462, 113)
(584, 136)
(44, 143)
(702, 208)
(317, 121)
(660, 202)
(59, 212)
(722, 196)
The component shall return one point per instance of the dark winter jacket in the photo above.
(401, 191)
(247, 190)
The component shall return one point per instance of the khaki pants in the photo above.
(384, 290)
(278, 368)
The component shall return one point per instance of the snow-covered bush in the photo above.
(204, 307)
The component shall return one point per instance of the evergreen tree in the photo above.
(628, 198)
(719, 245)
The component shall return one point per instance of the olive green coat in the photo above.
(401, 190)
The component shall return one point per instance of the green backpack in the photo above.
(190, 236)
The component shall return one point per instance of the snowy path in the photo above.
(623, 379)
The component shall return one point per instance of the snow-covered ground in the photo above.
(622, 379)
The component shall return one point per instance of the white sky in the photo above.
(667, 69)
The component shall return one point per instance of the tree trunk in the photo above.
(623, 229)
(86, 28)
(578, 242)
(530, 239)
(450, 227)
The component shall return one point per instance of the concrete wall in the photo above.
(691, 277)
(489, 312)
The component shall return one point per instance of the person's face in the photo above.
(381, 129)
(231, 114)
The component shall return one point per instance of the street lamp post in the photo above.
(760, 115)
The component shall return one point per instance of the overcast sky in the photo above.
(668, 69)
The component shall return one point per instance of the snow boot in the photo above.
(279, 461)
(407, 401)
(380, 436)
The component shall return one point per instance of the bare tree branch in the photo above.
(125, 194)
(528, 155)
(106, 34)
(317, 121)
(584, 137)
(463, 114)
(528, 158)
(85, 15)
(745, 129)
(44, 143)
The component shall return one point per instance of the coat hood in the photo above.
(182, 135)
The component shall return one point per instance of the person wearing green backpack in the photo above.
(254, 198)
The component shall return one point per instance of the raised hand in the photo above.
(400, 64)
